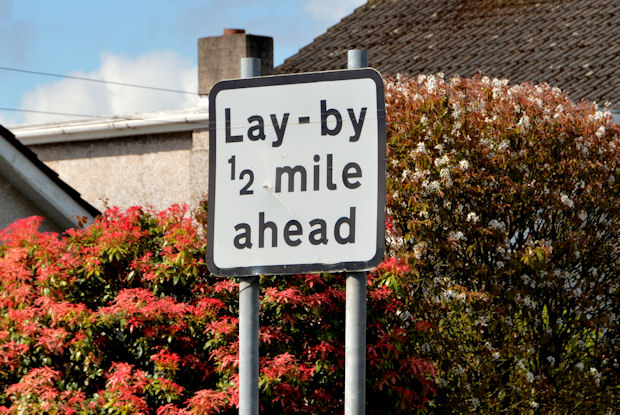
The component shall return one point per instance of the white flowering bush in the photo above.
(504, 200)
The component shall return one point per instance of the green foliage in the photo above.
(504, 201)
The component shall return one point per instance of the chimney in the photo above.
(219, 57)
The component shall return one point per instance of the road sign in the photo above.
(297, 173)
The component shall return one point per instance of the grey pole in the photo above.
(357, 58)
(355, 312)
(250, 67)
(248, 311)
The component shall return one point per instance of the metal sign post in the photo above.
(355, 313)
(297, 185)
(248, 311)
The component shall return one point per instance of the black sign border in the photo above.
(353, 266)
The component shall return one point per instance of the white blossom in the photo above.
(504, 145)
(432, 187)
(600, 132)
(420, 148)
(464, 164)
(524, 122)
(599, 115)
(395, 242)
(583, 215)
(472, 217)
(456, 236)
(538, 102)
(456, 110)
(431, 84)
(498, 225)
(566, 200)
(597, 376)
(445, 175)
(475, 402)
(442, 161)
(419, 249)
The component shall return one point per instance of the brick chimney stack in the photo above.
(219, 57)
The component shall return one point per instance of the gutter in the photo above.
(151, 123)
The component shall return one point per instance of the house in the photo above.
(162, 158)
(570, 44)
(29, 187)
(153, 159)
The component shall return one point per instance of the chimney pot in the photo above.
(219, 57)
(227, 31)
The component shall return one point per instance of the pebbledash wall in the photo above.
(14, 204)
(154, 159)
(145, 169)
(134, 166)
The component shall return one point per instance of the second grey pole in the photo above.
(248, 311)
(355, 313)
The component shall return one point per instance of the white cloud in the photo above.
(15, 34)
(162, 69)
(331, 11)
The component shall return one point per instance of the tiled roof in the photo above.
(571, 44)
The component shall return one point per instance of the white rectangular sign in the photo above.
(297, 173)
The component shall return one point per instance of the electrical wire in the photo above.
(79, 78)
(52, 113)
(101, 117)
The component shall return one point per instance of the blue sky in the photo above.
(136, 41)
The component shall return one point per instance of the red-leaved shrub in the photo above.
(124, 317)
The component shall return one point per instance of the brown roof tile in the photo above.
(571, 44)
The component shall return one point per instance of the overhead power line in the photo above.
(52, 113)
(101, 117)
(79, 78)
